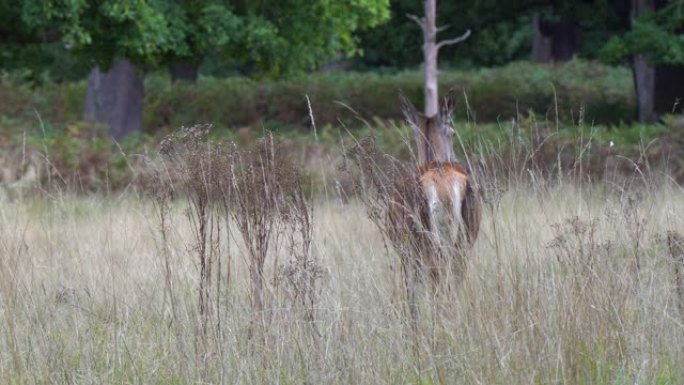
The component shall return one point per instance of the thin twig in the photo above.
(443, 28)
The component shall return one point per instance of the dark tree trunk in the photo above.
(564, 40)
(644, 83)
(669, 89)
(184, 70)
(115, 99)
(555, 40)
(541, 45)
(658, 89)
(669, 81)
(643, 72)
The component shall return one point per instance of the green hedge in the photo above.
(54, 104)
(604, 93)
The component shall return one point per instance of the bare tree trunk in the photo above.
(430, 55)
(643, 72)
(430, 51)
(115, 99)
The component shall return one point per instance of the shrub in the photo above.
(604, 93)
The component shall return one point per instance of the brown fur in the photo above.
(449, 174)
(437, 175)
(408, 212)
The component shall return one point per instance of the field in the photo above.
(576, 277)
(242, 192)
(568, 282)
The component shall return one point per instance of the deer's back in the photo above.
(447, 188)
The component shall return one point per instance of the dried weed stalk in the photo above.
(387, 186)
(303, 270)
(257, 194)
(675, 246)
(255, 204)
(375, 178)
(267, 204)
(198, 167)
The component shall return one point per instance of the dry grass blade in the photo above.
(675, 245)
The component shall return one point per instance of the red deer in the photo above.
(434, 214)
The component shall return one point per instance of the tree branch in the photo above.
(420, 21)
(453, 41)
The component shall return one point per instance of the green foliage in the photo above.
(85, 157)
(282, 37)
(201, 26)
(275, 37)
(104, 29)
(29, 54)
(510, 104)
(657, 34)
(21, 101)
(604, 95)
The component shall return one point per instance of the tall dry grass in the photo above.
(567, 283)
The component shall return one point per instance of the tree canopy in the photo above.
(275, 37)
(657, 34)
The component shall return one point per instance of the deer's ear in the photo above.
(444, 126)
(446, 108)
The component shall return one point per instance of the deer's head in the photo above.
(434, 134)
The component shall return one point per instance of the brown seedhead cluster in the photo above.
(251, 196)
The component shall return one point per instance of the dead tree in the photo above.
(431, 51)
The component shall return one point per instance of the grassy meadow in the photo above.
(107, 276)
(572, 283)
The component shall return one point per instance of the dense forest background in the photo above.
(75, 73)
